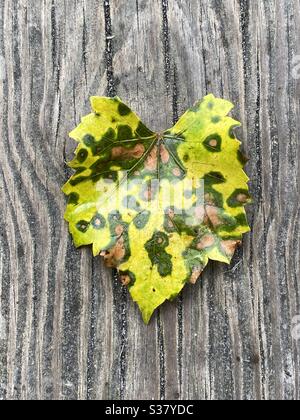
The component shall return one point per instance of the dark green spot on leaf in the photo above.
(124, 133)
(123, 110)
(157, 254)
(79, 170)
(186, 158)
(242, 219)
(242, 158)
(214, 178)
(73, 198)
(143, 131)
(130, 275)
(141, 220)
(213, 143)
(109, 135)
(215, 120)
(231, 131)
(82, 226)
(98, 221)
(239, 198)
(88, 140)
(82, 155)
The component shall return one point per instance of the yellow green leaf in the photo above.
(158, 206)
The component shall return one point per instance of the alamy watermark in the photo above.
(183, 197)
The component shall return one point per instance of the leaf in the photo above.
(158, 206)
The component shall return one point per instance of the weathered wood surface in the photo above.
(67, 328)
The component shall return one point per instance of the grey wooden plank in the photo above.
(68, 330)
(211, 62)
(140, 79)
(47, 56)
(244, 320)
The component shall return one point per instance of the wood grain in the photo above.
(68, 330)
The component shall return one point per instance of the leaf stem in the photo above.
(173, 137)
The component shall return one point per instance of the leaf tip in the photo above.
(74, 135)
(147, 317)
(98, 102)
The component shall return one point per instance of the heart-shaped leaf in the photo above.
(158, 206)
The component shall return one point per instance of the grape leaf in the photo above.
(158, 206)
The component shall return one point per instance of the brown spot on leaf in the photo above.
(124, 153)
(230, 246)
(176, 172)
(206, 242)
(125, 280)
(242, 198)
(151, 161)
(164, 154)
(119, 230)
(195, 275)
(213, 143)
(118, 152)
(212, 214)
(209, 199)
(139, 150)
(114, 256)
